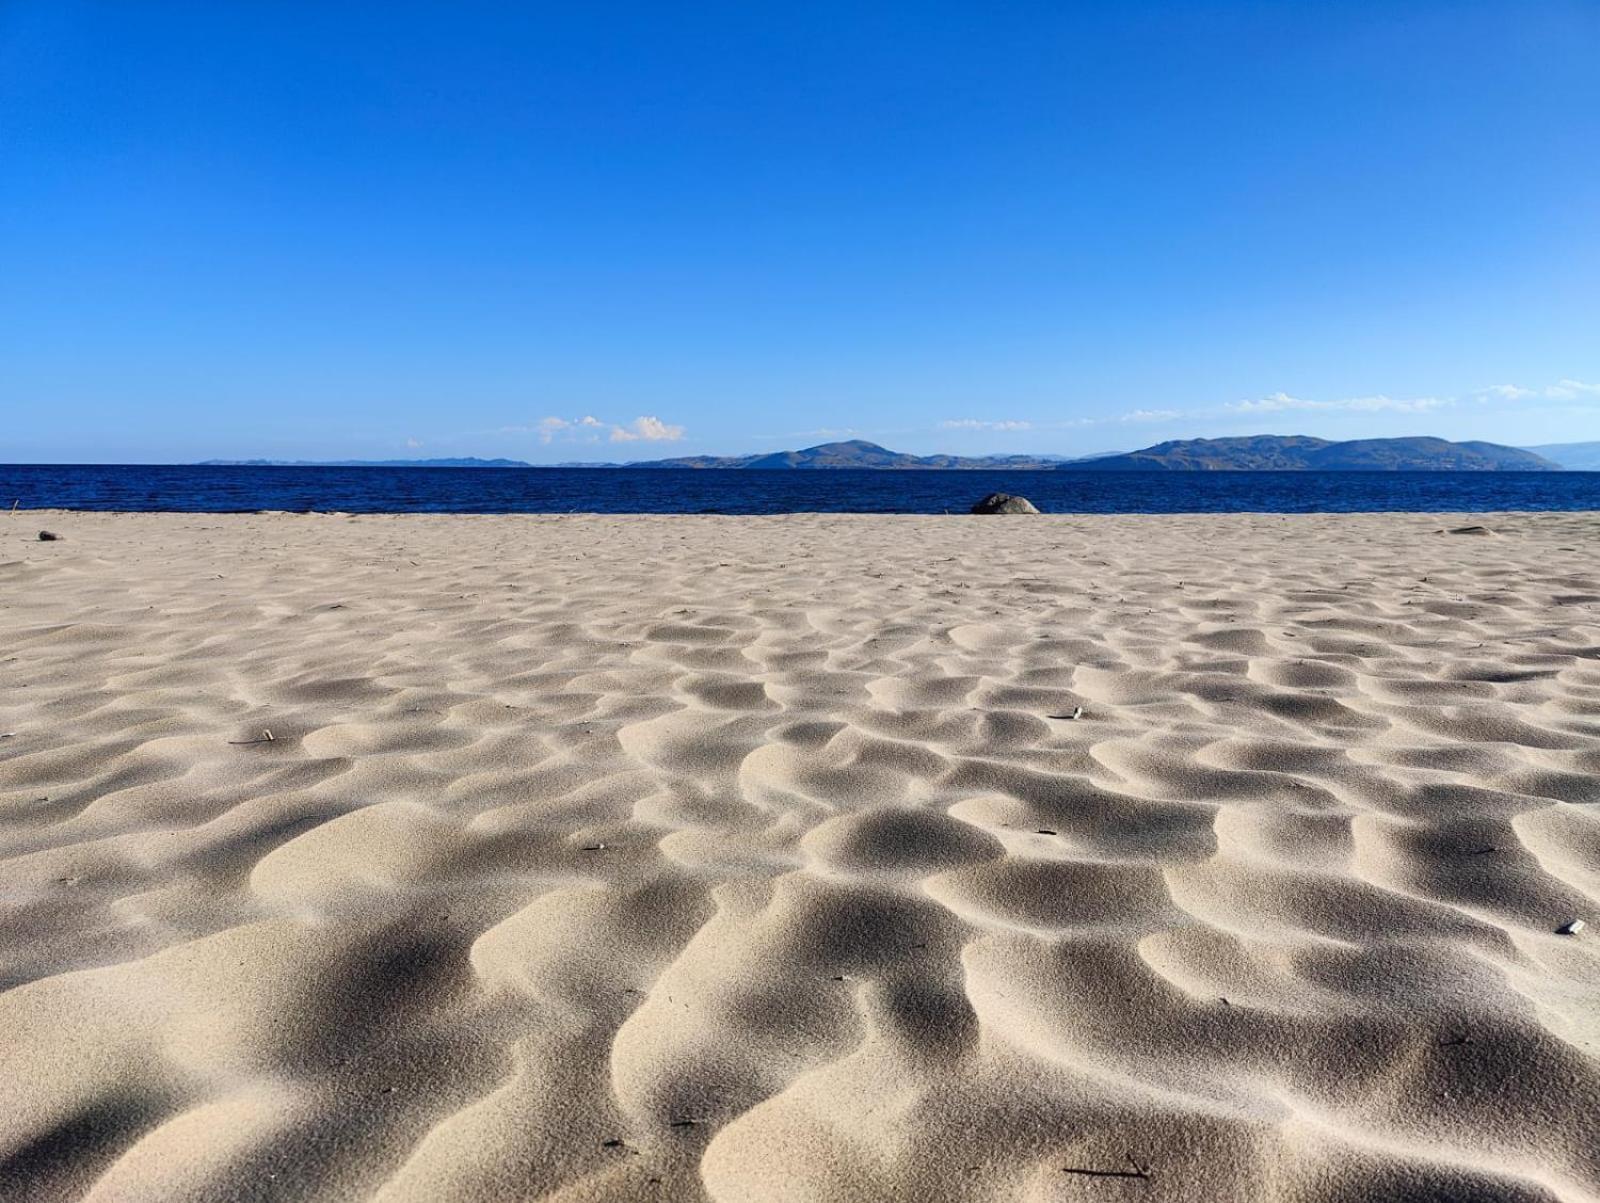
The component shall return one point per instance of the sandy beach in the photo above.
(799, 858)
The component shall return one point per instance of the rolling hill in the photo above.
(1301, 453)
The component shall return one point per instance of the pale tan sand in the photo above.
(743, 858)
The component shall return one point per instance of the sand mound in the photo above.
(803, 858)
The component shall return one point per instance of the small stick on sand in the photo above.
(266, 738)
(1138, 1171)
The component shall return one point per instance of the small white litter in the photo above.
(1570, 929)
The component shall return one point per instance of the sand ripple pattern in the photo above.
(621, 858)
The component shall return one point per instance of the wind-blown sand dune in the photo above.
(761, 858)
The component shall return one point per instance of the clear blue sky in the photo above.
(570, 232)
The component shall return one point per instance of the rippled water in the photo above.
(560, 490)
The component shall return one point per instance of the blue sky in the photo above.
(618, 231)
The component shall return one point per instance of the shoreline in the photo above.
(1096, 515)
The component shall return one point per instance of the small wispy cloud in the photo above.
(1283, 403)
(1507, 392)
(1149, 415)
(1014, 424)
(820, 432)
(1572, 390)
(1562, 390)
(548, 429)
(413, 443)
(985, 424)
(647, 430)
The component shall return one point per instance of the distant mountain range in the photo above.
(1264, 452)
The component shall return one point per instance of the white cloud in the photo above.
(647, 430)
(413, 443)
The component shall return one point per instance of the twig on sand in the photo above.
(1138, 1171)
(1077, 712)
(266, 738)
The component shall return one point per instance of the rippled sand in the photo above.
(761, 858)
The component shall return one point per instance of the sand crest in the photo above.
(799, 858)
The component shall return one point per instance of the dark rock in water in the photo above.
(48, 536)
(1005, 503)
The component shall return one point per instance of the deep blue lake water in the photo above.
(612, 490)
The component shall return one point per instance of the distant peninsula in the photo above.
(1250, 453)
